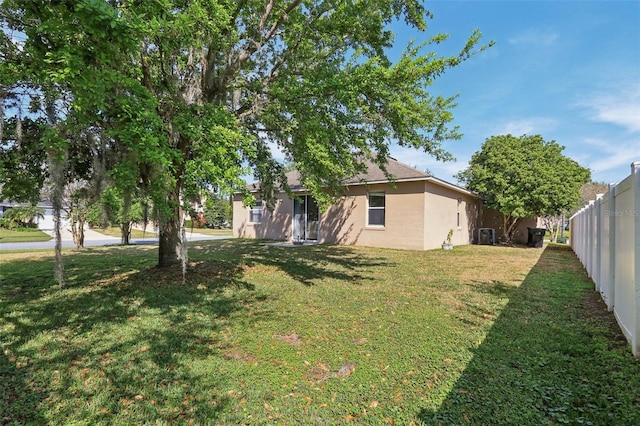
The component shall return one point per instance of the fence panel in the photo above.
(604, 283)
(624, 302)
(605, 235)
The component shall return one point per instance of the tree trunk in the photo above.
(125, 233)
(170, 251)
(508, 226)
(58, 271)
(78, 232)
(56, 166)
(77, 227)
(57, 158)
(125, 224)
(553, 225)
(553, 232)
(81, 232)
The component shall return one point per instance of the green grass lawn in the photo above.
(311, 335)
(207, 231)
(114, 231)
(25, 235)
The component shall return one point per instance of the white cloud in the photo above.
(528, 126)
(612, 156)
(534, 37)
(613, 161)
(621, 108)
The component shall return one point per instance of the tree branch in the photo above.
(146, 74)
(265, 16)
(236, 58)
(283, 17)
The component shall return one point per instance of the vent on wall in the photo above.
(486, 236)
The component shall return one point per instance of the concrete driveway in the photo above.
(93, 238)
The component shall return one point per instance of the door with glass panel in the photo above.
(306, 218)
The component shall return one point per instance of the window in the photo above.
(255, 214)
(375, 209)
(458, 215)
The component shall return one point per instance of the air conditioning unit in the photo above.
(486, 236)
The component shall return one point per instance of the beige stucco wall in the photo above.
(346, 221)
(418, 216)
(275, 225)
(442, 205)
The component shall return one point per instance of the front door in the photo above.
(306, 218)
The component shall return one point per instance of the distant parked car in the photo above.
(219, 225)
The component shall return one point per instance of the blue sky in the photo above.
(567, 70)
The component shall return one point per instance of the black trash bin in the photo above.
(536, 237)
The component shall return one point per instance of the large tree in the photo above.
(211, 86)
(523, 177)
(230, 79)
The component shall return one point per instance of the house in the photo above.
(415, 212)
(44, 223)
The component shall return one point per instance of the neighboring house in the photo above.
(414, 212)
(45, 223)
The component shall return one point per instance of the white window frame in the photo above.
(257, 209)
(383, 208)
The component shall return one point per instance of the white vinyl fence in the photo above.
(605, 235)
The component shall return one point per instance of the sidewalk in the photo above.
(93, 238)
(89, 235)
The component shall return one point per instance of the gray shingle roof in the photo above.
(397, 170)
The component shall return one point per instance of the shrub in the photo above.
(7, 223)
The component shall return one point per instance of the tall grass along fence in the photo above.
(605, 235)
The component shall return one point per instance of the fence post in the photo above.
(635, 340)
(597, 243)
(583, 235)
(585, 238)
(591, 238)
(612, 246)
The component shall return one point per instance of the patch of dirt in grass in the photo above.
(240, 355)
(346, 370)
(292, 339)
(319, 373)
(322, 372)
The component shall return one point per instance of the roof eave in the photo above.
(453, 187)
(433, 179)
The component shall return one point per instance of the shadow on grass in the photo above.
(554, 355)
(18, 402)
(124, 338)
(54, 339)
(307, 265)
